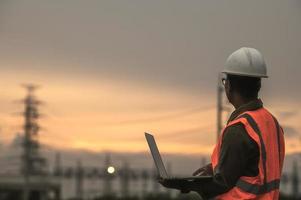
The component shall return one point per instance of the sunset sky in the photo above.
(111, 70)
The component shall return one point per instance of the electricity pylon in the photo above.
(33, 162)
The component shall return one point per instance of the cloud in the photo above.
(177, 47)
(181, 45)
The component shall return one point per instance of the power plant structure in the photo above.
(107, 180)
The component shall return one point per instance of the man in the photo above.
(247, 160)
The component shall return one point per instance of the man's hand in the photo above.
(174, 184)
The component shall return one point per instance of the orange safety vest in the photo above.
(264, 129)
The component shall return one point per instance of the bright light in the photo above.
(111, 170)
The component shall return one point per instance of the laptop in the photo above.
(162, 173)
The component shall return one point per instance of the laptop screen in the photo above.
(156, 155)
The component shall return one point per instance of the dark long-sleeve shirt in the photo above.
(239, 156)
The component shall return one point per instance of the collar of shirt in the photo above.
(252, 105)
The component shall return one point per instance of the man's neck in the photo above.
(240, 102)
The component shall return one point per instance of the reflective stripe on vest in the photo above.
(278, 138)
(258, 189)
(267, 186)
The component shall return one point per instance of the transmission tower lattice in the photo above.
(33, 162)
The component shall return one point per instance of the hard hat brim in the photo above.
(245, 74)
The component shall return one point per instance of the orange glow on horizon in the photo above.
(112, 115)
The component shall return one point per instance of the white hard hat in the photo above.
(246, 62)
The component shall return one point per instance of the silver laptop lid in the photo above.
(156, 155)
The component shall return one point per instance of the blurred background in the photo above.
(81, 81)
